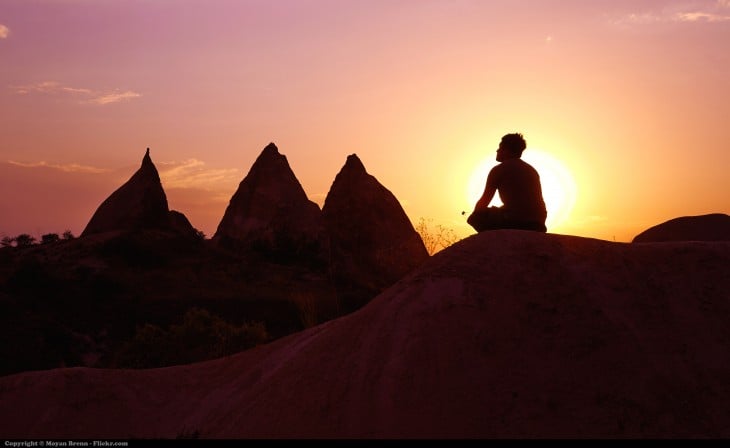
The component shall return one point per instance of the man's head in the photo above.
(511, 147)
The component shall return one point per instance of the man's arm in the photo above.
(486, 198)
(489, 190)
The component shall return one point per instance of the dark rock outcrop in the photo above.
(371, 238)
(712, 227)
(271, 211)
(139, 204)
(180, 224)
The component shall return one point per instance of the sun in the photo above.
(558, 186)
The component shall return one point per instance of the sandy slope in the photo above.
(505, 334)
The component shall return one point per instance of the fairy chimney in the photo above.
(372, 240)
(270, 209)
(138, 204)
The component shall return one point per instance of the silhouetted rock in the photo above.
(139, 203)
(180, 224)
(270, 210)
(712, 227)
(505, 334)
(372, 240)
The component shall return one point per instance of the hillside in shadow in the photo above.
(505, 334)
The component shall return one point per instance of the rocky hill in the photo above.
(504, 334)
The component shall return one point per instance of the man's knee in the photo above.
(493, 218)
(486, 219)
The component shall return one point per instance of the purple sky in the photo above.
(631, 98)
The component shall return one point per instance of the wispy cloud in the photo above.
(188, 174)
(115, 97)
(67, 168)
(87, 96)
(40, 87)
(194, 173)
(4, 31)
(699, 12)
(74, 90)
(699, 16)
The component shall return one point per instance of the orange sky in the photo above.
(632, 98)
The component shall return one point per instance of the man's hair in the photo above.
(514, 143)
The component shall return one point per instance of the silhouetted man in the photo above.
(519, 188)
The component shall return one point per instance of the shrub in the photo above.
(7, 241)
(50, 238)
(24, 240)
(199, 337)
(437, 237)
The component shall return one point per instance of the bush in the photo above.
(199, 337)
(50, 238)
(7, 241)
(435, 238)
(24, 240)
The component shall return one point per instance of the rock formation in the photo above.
(371, 238)
(712, 227)
(179, 223)
(506, 334)
(140, 203)
(270, 209)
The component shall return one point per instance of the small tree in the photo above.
(437, 237)
(24, 240)
(7, 241)
(67, 235)
(49, 238)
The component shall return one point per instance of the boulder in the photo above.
(712, 227)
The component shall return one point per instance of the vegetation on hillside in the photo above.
(147, 299)
(200, 336)
(435, 237)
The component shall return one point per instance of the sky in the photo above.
(625, 105)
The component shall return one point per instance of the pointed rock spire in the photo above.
(147, 160)
(270, 151)
(371, 236)
(353, 166)
(140, 203)
(270, 208)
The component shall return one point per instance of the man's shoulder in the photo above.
(496, 169)
(519, 164)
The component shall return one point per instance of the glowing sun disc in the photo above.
(558, 187)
